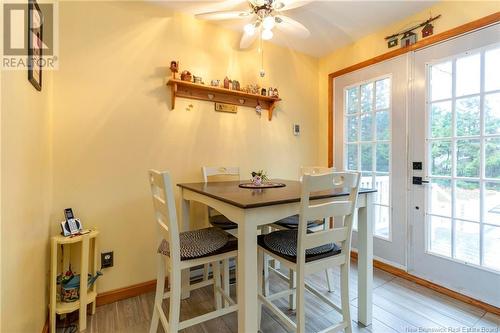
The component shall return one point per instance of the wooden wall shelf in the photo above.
(203, 92)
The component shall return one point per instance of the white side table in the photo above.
(88, 252)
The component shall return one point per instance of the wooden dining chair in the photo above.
(292, 222)
(183, 250)
(211, 174)
(307, 252)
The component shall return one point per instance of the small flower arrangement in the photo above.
(259, 177)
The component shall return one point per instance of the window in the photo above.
(463, 152)
(367, 143)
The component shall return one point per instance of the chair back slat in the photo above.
(220, 173)
(333, 207)
(165, 211)
(328, 209)
(319, 238)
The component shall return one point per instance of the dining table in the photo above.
(252, 208)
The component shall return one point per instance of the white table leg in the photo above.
(365, 261)
(185, 226)
(247, 278)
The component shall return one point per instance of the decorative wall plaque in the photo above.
(221, 107)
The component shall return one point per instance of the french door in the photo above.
(370, 137)
(455, 134)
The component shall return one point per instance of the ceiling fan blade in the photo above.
(247, 40)
(223, 15)
(283, 5)
(289, 25)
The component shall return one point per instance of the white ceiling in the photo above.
(333, 24)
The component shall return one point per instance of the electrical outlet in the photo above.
(107, 259)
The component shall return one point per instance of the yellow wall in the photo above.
(454, 13)
(112, 120)
(25, 201)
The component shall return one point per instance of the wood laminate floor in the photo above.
(399, 306)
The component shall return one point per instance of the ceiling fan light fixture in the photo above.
(268, 22)
(267, 34)
(249, 29)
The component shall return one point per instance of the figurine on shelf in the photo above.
(236, 85)
(275, 93)
(215, 83)
(174, 67)
(270, 92)
(186, 76)
(226, 82)
(263, 92)
(198, 79)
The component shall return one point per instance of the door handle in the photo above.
(419, 181)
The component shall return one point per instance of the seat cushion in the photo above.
(292, 222)
(202, 243)
(220, 221)
(284, 244)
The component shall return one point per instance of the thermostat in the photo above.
(296, 129)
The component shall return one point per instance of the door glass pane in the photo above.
(440, 81)
(440, 197)
(492, 203)
(382, 96)
(366, 127)
(491, 241)
(441, 120)
(468, 75)
(468, 116)
(492, 70)
(367, 97)
(352, 100)
(492, 113)
(440, 235)
(382, 184)
(467, 204)
(440, 158)
(467, 241)
(352, 157)
(383, 125)
(492, 158)
(468, 158)
(383, 157)
(352, 129)
(381, 221)
(366, 157)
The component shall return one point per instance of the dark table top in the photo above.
(231, 193)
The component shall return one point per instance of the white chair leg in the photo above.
(266, 261)
(261, 268)
(344, 296)
(300, 292)
(206, 269)
(292, 284)
(175, 300)
(217, 284)
(329, 280)
(225, 282)
(160, 289)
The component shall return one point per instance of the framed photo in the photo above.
(35, 44)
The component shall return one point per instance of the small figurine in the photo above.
(275, 93)
(231, 84)
(174, 67)
(270, 92)
(226, 82)
(263, 92)
(198, 79)
(236, 85)
(215, 83)
(186, 76)
(427, 30)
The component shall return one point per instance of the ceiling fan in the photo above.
(264, 15)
